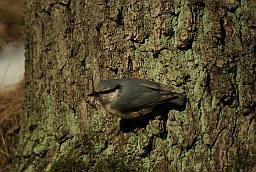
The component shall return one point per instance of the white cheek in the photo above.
(108, 98)
(113, 96)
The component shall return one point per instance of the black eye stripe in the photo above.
(110, 90)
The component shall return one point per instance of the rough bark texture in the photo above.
(204, 48)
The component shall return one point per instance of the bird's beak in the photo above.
(94, 93)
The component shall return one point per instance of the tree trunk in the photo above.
(205, 49)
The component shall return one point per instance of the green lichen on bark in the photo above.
(92, 153)
(200, 47)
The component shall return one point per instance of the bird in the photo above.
(134, 97)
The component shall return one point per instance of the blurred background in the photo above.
(11, 73)
(11, 41)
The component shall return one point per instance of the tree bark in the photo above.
(205, 49)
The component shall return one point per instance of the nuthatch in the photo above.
(133, 97)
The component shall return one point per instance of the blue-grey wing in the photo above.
(136, 94)
(140, 94)
(130, 100)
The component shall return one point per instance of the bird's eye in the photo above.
(118, 86)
